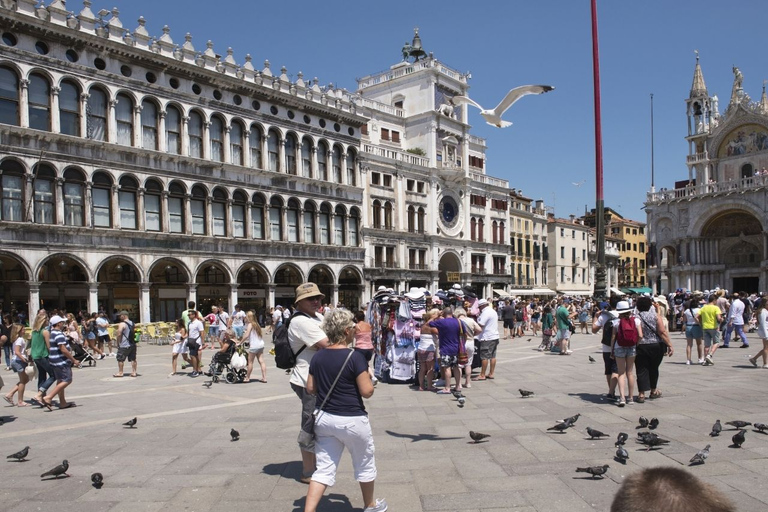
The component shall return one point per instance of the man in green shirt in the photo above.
(709, 319)
(562, 318)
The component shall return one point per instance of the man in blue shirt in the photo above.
(61, 360)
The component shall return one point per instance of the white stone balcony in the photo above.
(400, 71)
(488, 180)
(381, 107)
(477, 140)
(739, 186)
(698, 157)
(396, 154)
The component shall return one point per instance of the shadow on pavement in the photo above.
(329, 502)
(420, 437)
(592, 398)
(290, 469)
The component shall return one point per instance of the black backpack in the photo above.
(519, 315)
(607, 331)
(285, 359)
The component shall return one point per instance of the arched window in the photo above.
(480, 230)
(217, 139)
(336, 160)
(747, 171)
(254, 145)
(9, 97)
(69, 109)
(376, 214)
(127, 199)
(292, 219)
(495, 231)
(238, 214)
(236, 143)
(39, 103)
(197, 205)
(44, 194)
(219, 212)
(325, 224)
(351, 174)
(148, 125)
(173, 130)
(153, 206)
(421, 217)
(176, 214)
(273, 148)
(290, 154)
(502, 235)
(473, 229)
(195, 129)
(322, 161)
(338, 225)
(101, 197)
(387, 215)
(257, 217)
(74, 198)
(353, 228)
(96, 115)
(124, 118)
(309, 222)
(13, 191)
(275, 219)
(411, 219)
(306, 157)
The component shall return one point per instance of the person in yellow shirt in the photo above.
(709, 318)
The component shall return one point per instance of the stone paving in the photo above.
(180, 456)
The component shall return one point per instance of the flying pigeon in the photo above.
(525, 393)
(477, 436)
(20, 455)
(700, 456)
(716, 429)
(591, 359)
(739, 438)
(131, 423)
(621, 438)
(761, 427)
(653, 424)
(595, 433)
(97, 480)
(234, 434)
(493, 117)
(621, 454)
(59, 470)
(571, 420)
(643, 422)
(595, 471)
(738, 424)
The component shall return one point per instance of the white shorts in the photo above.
(334, 433)
(181, 348)
(470, 346)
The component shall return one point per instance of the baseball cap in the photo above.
(56, 319)
(481, 303)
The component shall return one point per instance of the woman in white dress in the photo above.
(253, 336)
(762, 330)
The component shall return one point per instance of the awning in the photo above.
(639, 290)
(543, 291)
(501, 293)
(616, 291)
(518, 293)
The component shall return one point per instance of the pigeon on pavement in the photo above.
(716, 429)
(595, 471)
(593, 433)
(761, 427)
(525, 393)
(208, 383)
(20, 455)
(591, 359)
(643, 422)
(131, 423)
(652, 440)
(653, 424)
(561, 427)
(621, 438)
(234, 434)
(97, 480)
(478, 436)
(457, 394)
(570, 419)
(739, 438)
(59, 470)
(461, 401)
(621, 454)
(738, 424)
(700, 456)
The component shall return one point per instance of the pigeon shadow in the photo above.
(54, 478)
(588, 477)
(734, 446)
(7, 419)
(760, 431)
(420, 437)
(330, 502)
(475, 442)
(620, 461)
(590, 397)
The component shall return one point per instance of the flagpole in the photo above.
(600, 283)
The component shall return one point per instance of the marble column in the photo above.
(34, 298)
(24, 103)
(191, 293)
(232, 296)
(144, 303)
(55, 112)
(271, 294)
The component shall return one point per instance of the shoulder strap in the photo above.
(650, 327)
(330, 390)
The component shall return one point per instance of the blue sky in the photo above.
(646, 46)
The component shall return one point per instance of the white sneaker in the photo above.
(688, 362)
(380, 506)
(765, 367)
(701, 361)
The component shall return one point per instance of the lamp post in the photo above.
(600, 290)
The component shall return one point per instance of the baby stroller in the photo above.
(81, 355)
(220, 365)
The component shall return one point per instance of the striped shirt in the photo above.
(55, 356)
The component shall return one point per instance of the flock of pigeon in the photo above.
(650, 439)
(97, 479)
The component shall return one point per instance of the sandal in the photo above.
(70, 404)
(22, 404)
(118, 375)
(48, 405)
(653, 396)
(640, 400)
(134, 375)
(246, 380)
(444, 392)
(9, 400)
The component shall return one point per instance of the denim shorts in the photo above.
(620, 352)
(693, 332)
(18, 365)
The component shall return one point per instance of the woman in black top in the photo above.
(343, 421)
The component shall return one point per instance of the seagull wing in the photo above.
(464, 100)
(517, 93)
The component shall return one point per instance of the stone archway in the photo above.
(449, 270)
(322, 276)
(350, 288)
(14, 285)
(63, 283)
(737, 242)
(118, 280)
(287, 278)
(169, 282)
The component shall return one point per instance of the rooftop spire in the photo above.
(764, 101)
(698, 88)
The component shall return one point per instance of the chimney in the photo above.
(573, 218)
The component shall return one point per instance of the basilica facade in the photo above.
(709, 231)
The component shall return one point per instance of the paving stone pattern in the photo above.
(180, 456)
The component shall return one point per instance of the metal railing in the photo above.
(709, 189)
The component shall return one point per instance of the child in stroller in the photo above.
(80, 354)
(220, 362)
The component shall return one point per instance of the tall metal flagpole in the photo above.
(653, 188)
(600, 285)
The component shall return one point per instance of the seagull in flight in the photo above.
(493, 117)
(579, 183)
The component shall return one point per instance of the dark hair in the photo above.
(191, 304)
(547, 309)
(180, 323)
(643, 303)
(359, 316)
(712, 298)
(613, 300)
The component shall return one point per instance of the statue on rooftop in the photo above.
(406, 51)
(414, 48)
